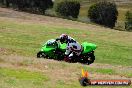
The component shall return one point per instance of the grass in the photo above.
(122, 9)
(101, 70)
(60, 74)
(121, 12)
(22, 74)
(85, 4)
(24, 39)
(114, 47)
(109, 71)
(19, 78)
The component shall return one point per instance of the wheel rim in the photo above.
(89, 58)
(41, 55)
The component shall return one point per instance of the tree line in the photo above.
(34, 6)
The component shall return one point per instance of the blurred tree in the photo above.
(103, 13)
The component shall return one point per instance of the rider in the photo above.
(73, 48)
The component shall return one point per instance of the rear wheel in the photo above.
(90, 59)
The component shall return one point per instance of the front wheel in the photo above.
(41, 54)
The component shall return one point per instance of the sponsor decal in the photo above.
(85, 81)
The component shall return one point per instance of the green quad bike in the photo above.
(56, 50)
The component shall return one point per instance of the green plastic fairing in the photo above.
(88, 47)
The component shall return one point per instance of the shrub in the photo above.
(68, 8)
(103, 13)
(35, 6)
(128, 23)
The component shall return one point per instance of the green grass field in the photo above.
(21, 39)
(114, 47)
